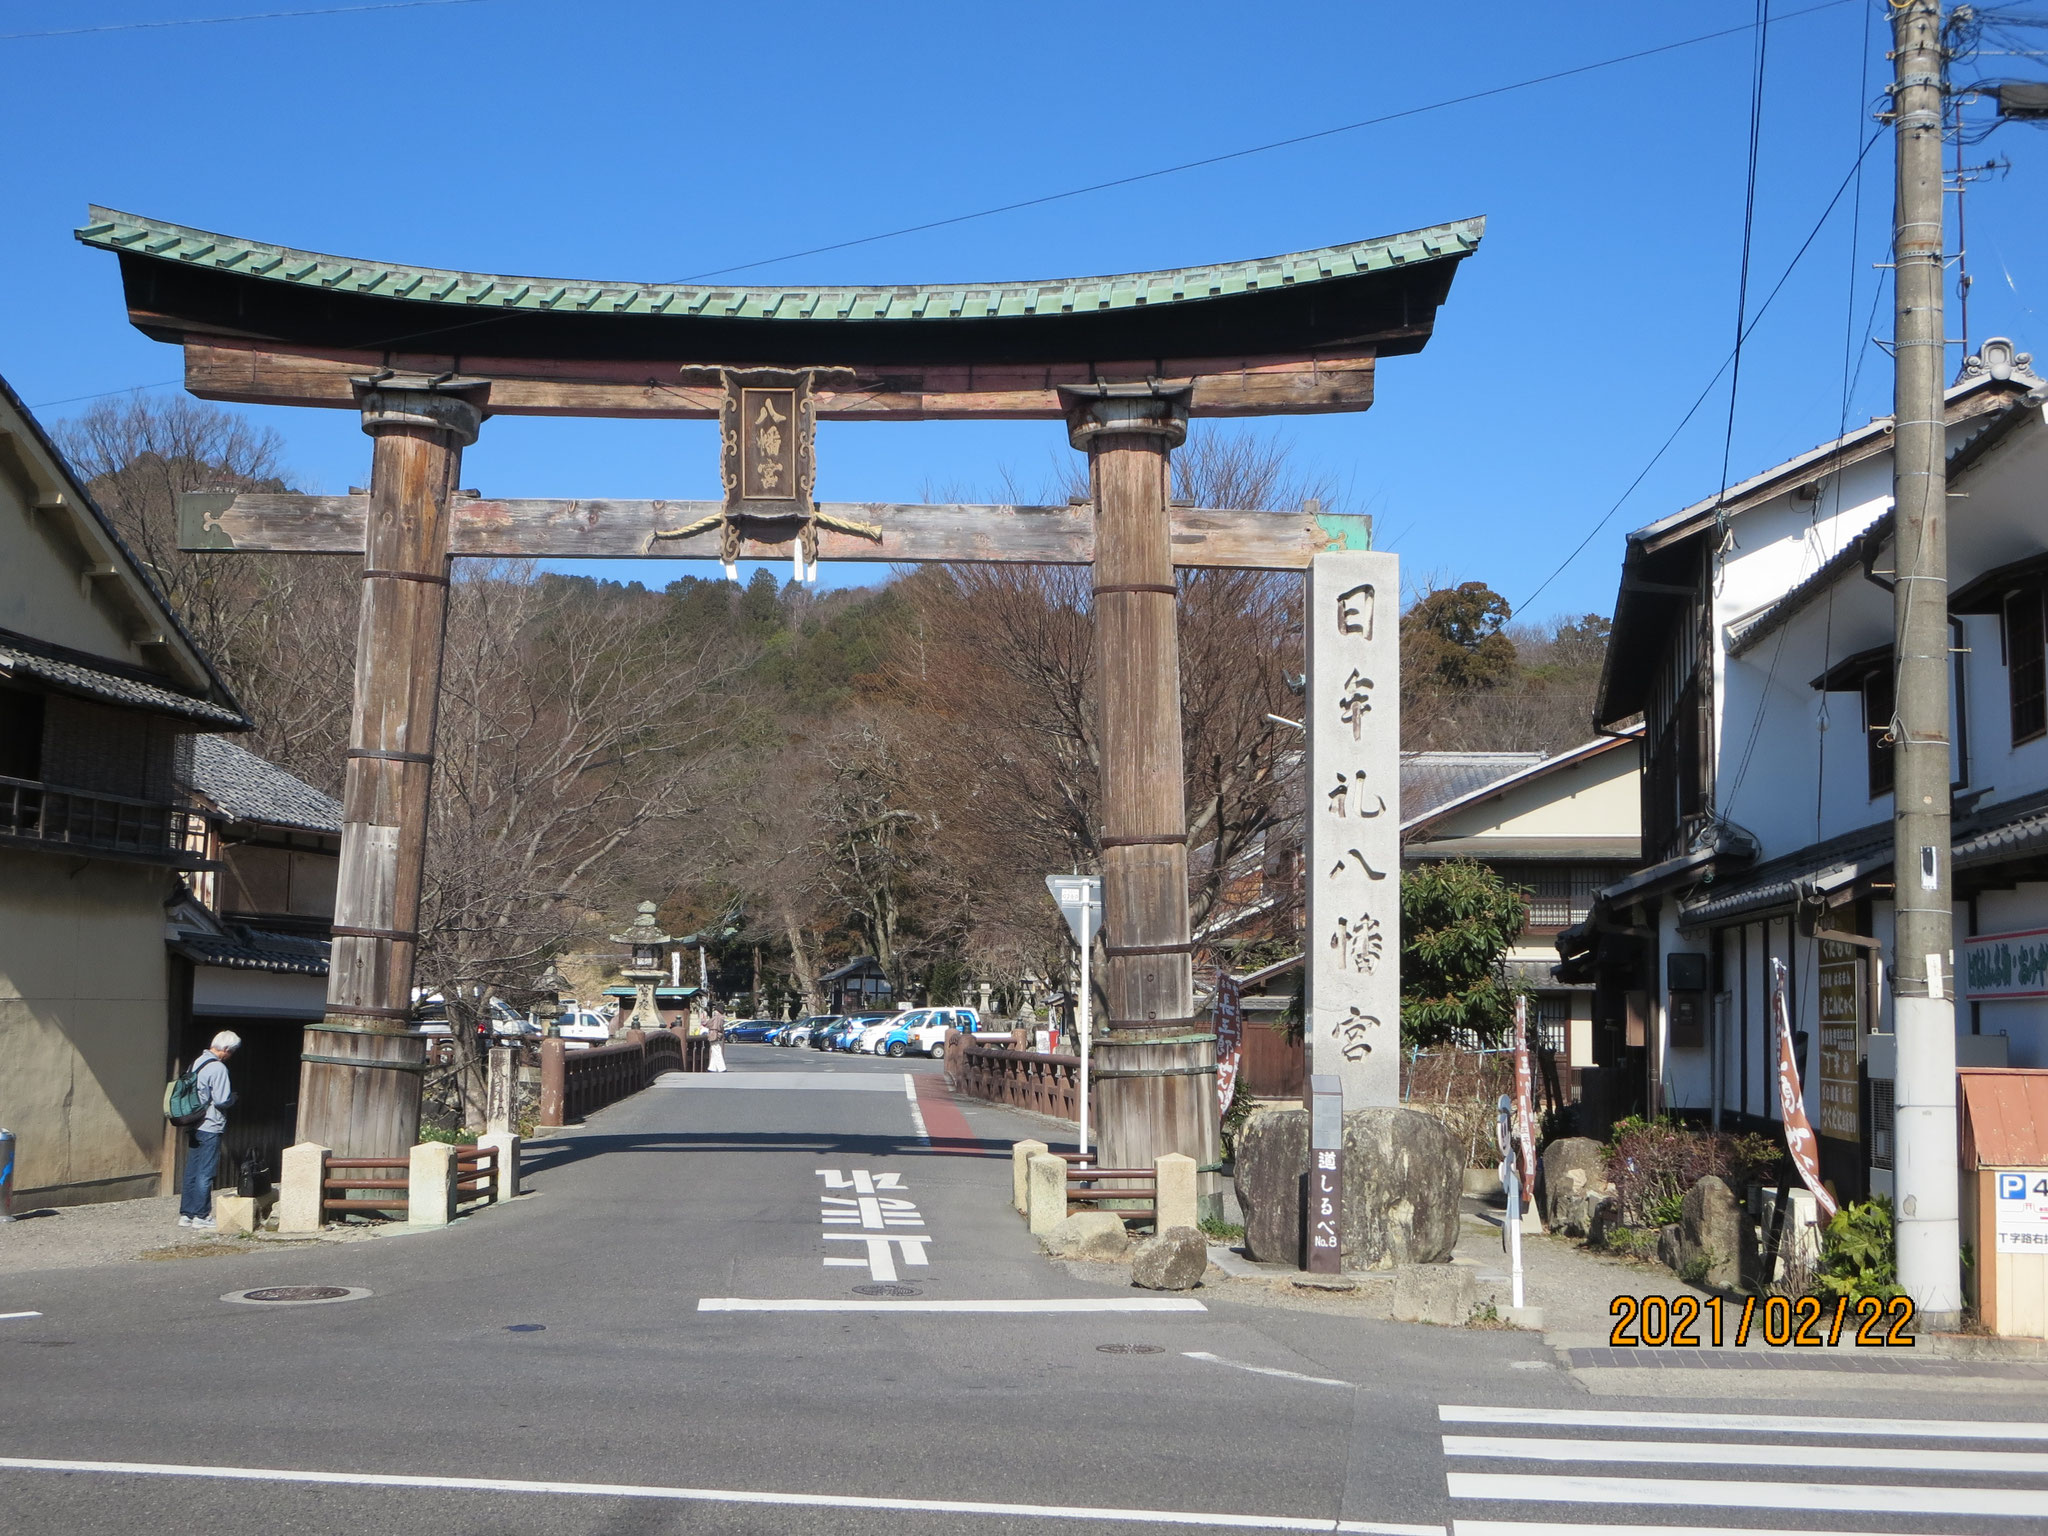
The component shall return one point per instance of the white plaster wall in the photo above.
(1598, 798)
(2024, 1021)
(84, 1018)
(41, 595)
(228, 993)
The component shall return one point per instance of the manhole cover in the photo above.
(298, 1295)
(887, 1290)
(526, 1327)
(1131, 1349)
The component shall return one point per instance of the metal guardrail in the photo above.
(32, 812)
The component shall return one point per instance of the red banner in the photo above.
(1799, 1138)
(1229, 1037)
(1525, 1103)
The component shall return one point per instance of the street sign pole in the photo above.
(1511, 1181)
(1087, 909)
(1080, 903)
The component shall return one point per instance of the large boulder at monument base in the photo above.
(1403, 1175)
(1574, 1179)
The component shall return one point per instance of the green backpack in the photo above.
(184, 1104)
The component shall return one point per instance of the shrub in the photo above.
(1858, 1255)
(1653, 1163)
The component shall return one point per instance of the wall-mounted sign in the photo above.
(2006, 965)
(1841, 1021)
(2022, 1211)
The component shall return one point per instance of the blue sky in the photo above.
(634, 139)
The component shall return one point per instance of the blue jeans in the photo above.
(200, 1163)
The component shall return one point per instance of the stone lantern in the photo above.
(646, 966)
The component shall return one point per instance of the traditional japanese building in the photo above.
(101, 693)
(1753, 633)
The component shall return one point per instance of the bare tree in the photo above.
(574, 746)
(280, 627)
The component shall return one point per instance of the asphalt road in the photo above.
(617, 1353)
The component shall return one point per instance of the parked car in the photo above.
(803, 1031)
(821, 1026)
(581, 1028)
(928, 1027)
(847, 1036)
(750, 1031)
(869, 1041)
(501, 1024)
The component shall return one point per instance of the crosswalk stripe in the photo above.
(1833, 1498)
(1748, 1423)
(1723, 1454)
(1552, 1528)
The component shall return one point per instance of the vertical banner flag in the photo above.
(1229, 1038)
(1799, 1138)
(1525, 1104)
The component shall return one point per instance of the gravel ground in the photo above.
(122, 1231)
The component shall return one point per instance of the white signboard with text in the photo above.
(1353, 846)
(2021, 1210)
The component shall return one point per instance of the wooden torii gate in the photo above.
(427, 355)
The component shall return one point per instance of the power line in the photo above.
(1756, 137)
(221, 21)
(44, 405)
(1260, 149)
(1693, 410)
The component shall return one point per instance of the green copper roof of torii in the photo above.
(176, 244)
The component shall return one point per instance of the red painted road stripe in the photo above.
(943, 1121)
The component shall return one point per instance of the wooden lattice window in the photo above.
(1879, 704)
(2026, 660)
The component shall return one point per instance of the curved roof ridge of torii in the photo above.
(1286, 334)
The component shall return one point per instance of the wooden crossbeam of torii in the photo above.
(599, 529)
(427, 355)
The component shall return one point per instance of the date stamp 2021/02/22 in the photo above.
(1804, 1322)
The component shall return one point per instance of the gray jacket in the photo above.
(219, 1092)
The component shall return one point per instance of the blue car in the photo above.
(848, 1034)
(750, 1031)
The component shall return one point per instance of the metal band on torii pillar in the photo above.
(1157, 1095)
(420, 425)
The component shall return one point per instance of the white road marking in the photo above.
(1750, 1423)
(916, 1110)
(1722, 1454)
(8, 1317)
(1552, 1528)
(1068, 1304)
(1837, 1498)
(1214, 1520)
(1267, 1370)
(831, 1082)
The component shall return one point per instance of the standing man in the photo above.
(195, 1207)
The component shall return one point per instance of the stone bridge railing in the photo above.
(575, 1084)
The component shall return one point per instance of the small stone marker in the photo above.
(1046, 1204)
(1021, 1154)
(300, 1170)
(430, 1185)
(1323, 1219)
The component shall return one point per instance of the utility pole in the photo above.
(1923, 986)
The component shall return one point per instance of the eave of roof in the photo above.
(1629, 661)
(63, 670)
(230, 286)
(232, 717)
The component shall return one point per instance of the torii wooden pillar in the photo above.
(359, 1082)
(1155, 1063)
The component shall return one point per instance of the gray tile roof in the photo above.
(72, 672)
(247, 788)
(241, 948)
(1431, 779)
